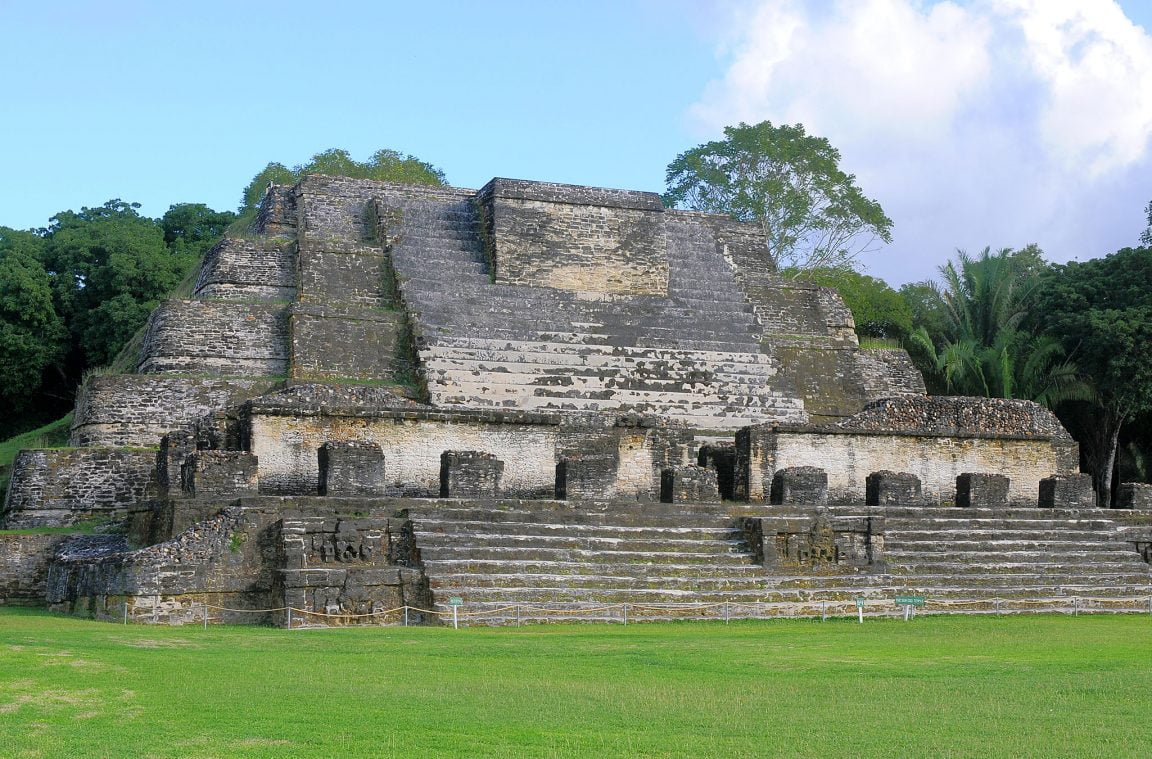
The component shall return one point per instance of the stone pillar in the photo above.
(1067, 491)
(800, 484)
(689, 484)
(219, 474)
(586, 477)
(980, 489)
(887, 488)
(467, 474)
(174, 448)
(351, 468)
(1134, 495)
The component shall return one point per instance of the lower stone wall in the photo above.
(849, 458)
(217, 337)
(24, 561)
(65, 486)
(412, 442)
(138, 409)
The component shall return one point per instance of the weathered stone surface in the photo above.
(24, 561)
(466, 474)
(220, 474)
(351, 468)
(1067, 491)
(689, 484)
(58, 487)
(1134, 495)
(887, 488)
(800, 484)
(981, 489)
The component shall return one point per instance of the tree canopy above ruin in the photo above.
(384, 165)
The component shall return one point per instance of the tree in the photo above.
(878, 310)
(789, 183)
(192, 228)
(1146, 235)
(31, 332)
(110, 268)
(977, 342)
(385, 165)
(1102, 311)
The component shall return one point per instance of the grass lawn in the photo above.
(943, 686)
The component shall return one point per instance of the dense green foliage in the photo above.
(790, 184)
(73, 293)
(981, 340)
(878, 310)
(967, 686)
(1101, 310)
(384, 165)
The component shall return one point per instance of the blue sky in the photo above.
(162, 103)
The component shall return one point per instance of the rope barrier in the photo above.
(763, 609)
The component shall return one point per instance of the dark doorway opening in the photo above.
(722, 458)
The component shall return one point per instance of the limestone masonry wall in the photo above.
(24, 561)
(217, 337)
(137, 410)
(65, 486)
(248, 270)
(369, 342)
(576, 238)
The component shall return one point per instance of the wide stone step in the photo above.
(917, 537)
(696, 583)
(444, 568)
(592, 556)
(1053, 545)
(589, 542)
(552, 529)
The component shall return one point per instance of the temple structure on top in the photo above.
(378, 363)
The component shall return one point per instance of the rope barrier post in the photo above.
(126, 611)
(726, 612)
(625, 615)
(997, 605)
(823, 611)
(517, 615)
(405, 615)
(1075, 607)
(155, 609)
(204, 611)
(860, 610)
(289, 617)
(455, 618)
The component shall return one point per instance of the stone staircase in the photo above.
(534, 555)
(692, 356)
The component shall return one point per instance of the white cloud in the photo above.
(990, 122)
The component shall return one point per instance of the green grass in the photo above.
(941, 686)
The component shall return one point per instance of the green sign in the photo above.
(909, 600)
(455, 601)
(859, 603)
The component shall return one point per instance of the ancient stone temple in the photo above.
(536, 394)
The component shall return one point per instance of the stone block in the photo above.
(689, 484)
(1134, 495)
(470, 474)
(981, 489)
(174, 448)
(1067, 491)
(887, 488)
(586, 477)
(800, 484)
(351, 468)
(219, 474)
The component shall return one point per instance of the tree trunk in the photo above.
(1102, 454)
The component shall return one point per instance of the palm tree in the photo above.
(984, 349)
